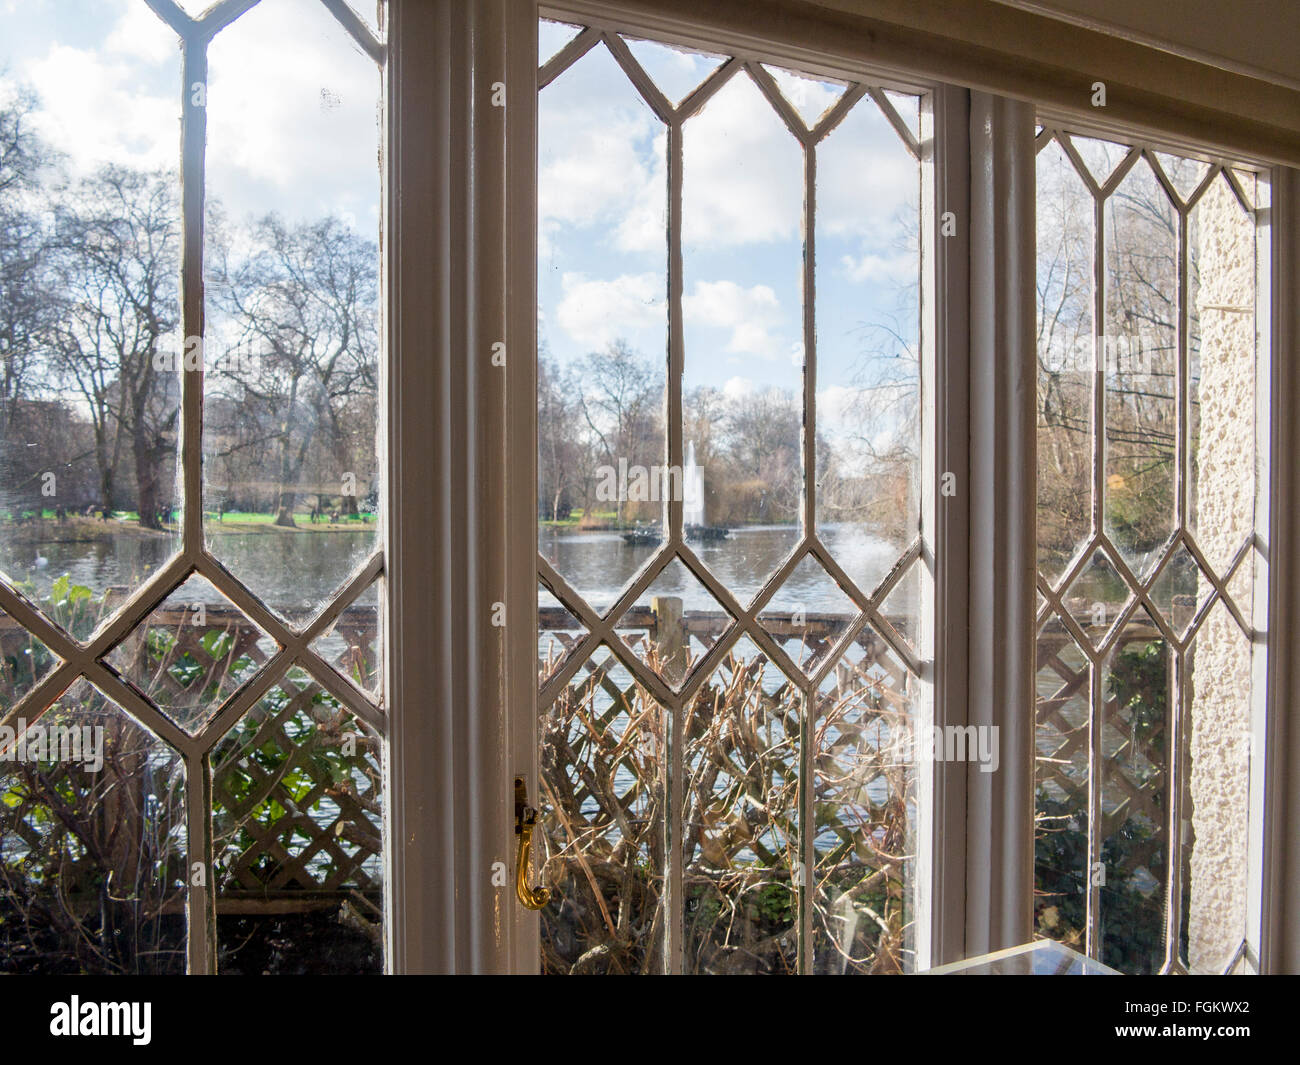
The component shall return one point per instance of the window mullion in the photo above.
(945, 200)
(1277, 795)
(1003, 461)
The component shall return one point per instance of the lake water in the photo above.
(293, 572)
(598, 565)
(296, 572)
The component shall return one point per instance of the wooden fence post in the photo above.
(669, 635)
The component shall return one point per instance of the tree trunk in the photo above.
(105, 480)
(146, 479)
(284, 511)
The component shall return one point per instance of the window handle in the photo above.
(531, 898)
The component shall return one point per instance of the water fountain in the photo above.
(693, 518)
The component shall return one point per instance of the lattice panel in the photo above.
(603, 744)
(92, 847)
(188, 659)
(297, 797)
(865, 743)
(740, 819)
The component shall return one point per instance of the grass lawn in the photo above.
(575, 518)
(244, 518)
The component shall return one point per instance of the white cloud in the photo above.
(835, 406)
(291, 103)
(739, 387)
(602, 157)
(868, 185)
(97, 106)
(597, 172)
(742, 171)
(751, 314)
(900, 267)
(141, 34)
(603, 162)
(594, 313)
(292, 115)
(811, 98)
(856, 414)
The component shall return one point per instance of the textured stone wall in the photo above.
(1223, 517)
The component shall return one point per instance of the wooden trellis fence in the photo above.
(603, 740)
(296, 784)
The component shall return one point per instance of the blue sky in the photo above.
(294, 129)
(602, 224)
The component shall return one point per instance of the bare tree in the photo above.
(562, 454)
(25, 300)
(1138, 356)
(762, 434)
(304, 299)
(621, 400)
(117, 241)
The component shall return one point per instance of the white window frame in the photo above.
(461, 465)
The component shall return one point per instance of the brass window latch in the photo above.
(531, 898)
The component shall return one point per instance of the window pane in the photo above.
(92, 843)
(790, 422)
(291, 482)
(602, 288)
(98, 388)
(1148, 482)
(89, 309)
(297, 790)
(292, 272)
